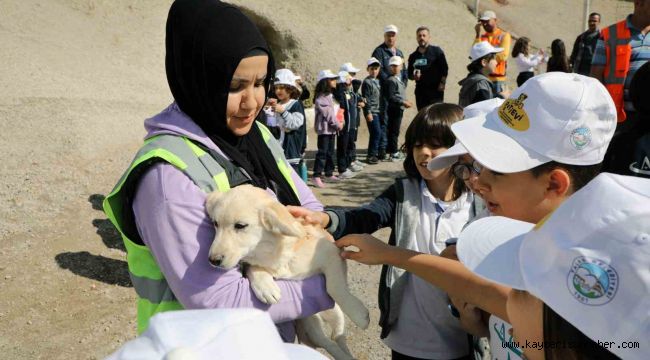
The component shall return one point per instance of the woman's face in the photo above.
(422, 154)
(525, 312)
(246, 95)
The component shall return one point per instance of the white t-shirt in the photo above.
(425, 327)
(501, 347)
(528, 63)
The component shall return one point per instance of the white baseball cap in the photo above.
(450, 156)
(343, 77)
(589, 260)
(391, 28)
(395, 60)
(373, 60)
(212, 334)
(349, 68)
(326, 74)
(285, 77)
(567, 118)
(481, 49)
(487, 15)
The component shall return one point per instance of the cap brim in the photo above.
(484, 18)
(447, 158)
(490, 248)
(497, 50)
(492, 148)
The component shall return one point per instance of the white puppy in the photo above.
(254, 228)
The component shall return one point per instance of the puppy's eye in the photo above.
(216, 224)
(240, 226)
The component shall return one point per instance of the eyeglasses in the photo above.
(464, 171)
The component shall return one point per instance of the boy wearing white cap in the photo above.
(542, 144)
(360, 103)
(395, 92)
(477, 86)
(348, 101)
(579, 278)
(371, 92)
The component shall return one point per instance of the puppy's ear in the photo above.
(277, 219)
(211, 201)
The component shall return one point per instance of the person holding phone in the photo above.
(427, 65)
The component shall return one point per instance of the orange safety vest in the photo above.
(495, 38)
(618, 52)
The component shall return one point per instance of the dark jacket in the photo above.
(394, 92)
(349, 103)
(295, 142)
(474, 88)
(371, 91)
(383, 54)
(433, 67)
(583, 51)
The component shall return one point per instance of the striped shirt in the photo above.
(640, 44)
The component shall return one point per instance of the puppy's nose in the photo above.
(216, 260)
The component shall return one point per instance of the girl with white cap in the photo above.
(326, 124)
(292, 117)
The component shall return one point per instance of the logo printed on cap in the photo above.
(592, 281)
(512, 113)
(580, 137)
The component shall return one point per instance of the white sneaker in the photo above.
(398, 156)
(347, 174)
(359, 163)
(355, 167)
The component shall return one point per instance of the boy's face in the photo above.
(373, 71)
(395, 69)
(520, 195)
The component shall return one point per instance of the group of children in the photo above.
(340, 101)
(514, 163)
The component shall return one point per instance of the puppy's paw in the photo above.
(360, 316)
(264, 287)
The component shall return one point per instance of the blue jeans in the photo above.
(498, 86)
(393, 127)
(383, 134)
(374, 128)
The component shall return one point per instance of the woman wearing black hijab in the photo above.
(219, 69)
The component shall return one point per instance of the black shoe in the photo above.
(372, 160)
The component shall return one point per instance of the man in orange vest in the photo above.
(620, 51)
(497, 38)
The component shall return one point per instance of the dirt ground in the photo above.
(80, 76)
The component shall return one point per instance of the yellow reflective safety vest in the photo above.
(154, 294)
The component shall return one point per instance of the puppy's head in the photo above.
(249, 225)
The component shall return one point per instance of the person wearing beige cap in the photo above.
(499, 39)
